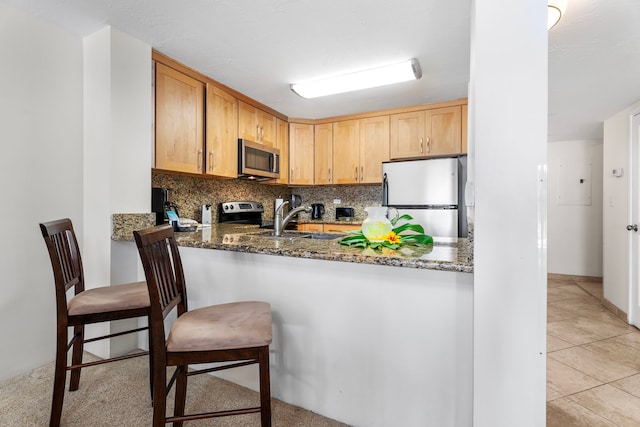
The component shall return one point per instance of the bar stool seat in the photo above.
(222, 327)
(110, 298)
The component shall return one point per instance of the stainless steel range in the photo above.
(246, 212)
(242, 212)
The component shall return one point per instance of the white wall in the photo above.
(508, 130)
(117, 141)
(575, 208)
(52, 170)
(132, 124)
(616, 210)
(41, 175)
(368, 345)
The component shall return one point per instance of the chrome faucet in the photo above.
(280, 223)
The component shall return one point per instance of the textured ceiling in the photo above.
(260, 47)
(594, 66)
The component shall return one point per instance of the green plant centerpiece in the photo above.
(391, 239)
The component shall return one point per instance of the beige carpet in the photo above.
(117, 394)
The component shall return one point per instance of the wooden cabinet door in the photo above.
(179, 120)
(443, 131)
(267, 126)
(301, 161)
(256, 125)
(247, 122)
(323, 153)
(222, 133)
(282, 144)
(465, 135)
(341, 227)
(407, 135)
(346, 152)
(374, 148)
(316, 228)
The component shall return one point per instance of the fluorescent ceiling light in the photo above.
(555, 11)
(396, 73)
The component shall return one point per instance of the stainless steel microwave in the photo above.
(257, 161)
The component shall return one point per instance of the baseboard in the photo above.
(621, 314)
(615, 310)
(555, 276)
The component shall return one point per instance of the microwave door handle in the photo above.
(273, 162)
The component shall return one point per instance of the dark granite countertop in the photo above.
(444, 254)
(331, 221)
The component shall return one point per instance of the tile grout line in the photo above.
(598, 303)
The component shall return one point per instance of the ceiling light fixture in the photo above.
(555, 11)
(396, 73)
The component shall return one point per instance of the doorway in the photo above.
(634, 236)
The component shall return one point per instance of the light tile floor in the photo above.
(593, 360)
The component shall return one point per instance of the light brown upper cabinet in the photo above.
(222, 133)
(426, 133)
(323, 153)
(282, 144)
(374, 148)
(444, 130)
(256, 125)
(359, 148)
(301, 154)
(179, 121)
(465, 134)
(346, 152)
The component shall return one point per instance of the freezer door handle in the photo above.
(385, 190)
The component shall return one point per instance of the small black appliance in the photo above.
(317, 210)
(160, 204)
(344, 214)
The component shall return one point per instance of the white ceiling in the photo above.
(260, 47)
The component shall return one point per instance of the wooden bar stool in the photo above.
(84, 307)
(238, 333)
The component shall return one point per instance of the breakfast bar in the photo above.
(446, 254)
(363, 337)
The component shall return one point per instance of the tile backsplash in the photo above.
(189, 193)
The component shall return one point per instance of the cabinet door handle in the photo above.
(200, 160)
(258, 133)
(329, 176)
(421, 141)
(355, 176)
(428, 144)
(210, 160)
(361, 173)
(291, 174)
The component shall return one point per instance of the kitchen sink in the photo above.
(269, 234)
(302, 235)
(324, 236)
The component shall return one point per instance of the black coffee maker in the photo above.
(317, 210)
(160, 204)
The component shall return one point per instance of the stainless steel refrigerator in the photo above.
(431, 191)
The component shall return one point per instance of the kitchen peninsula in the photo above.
(445, 254)
(378, 340)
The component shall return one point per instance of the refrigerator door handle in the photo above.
(385, 190)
